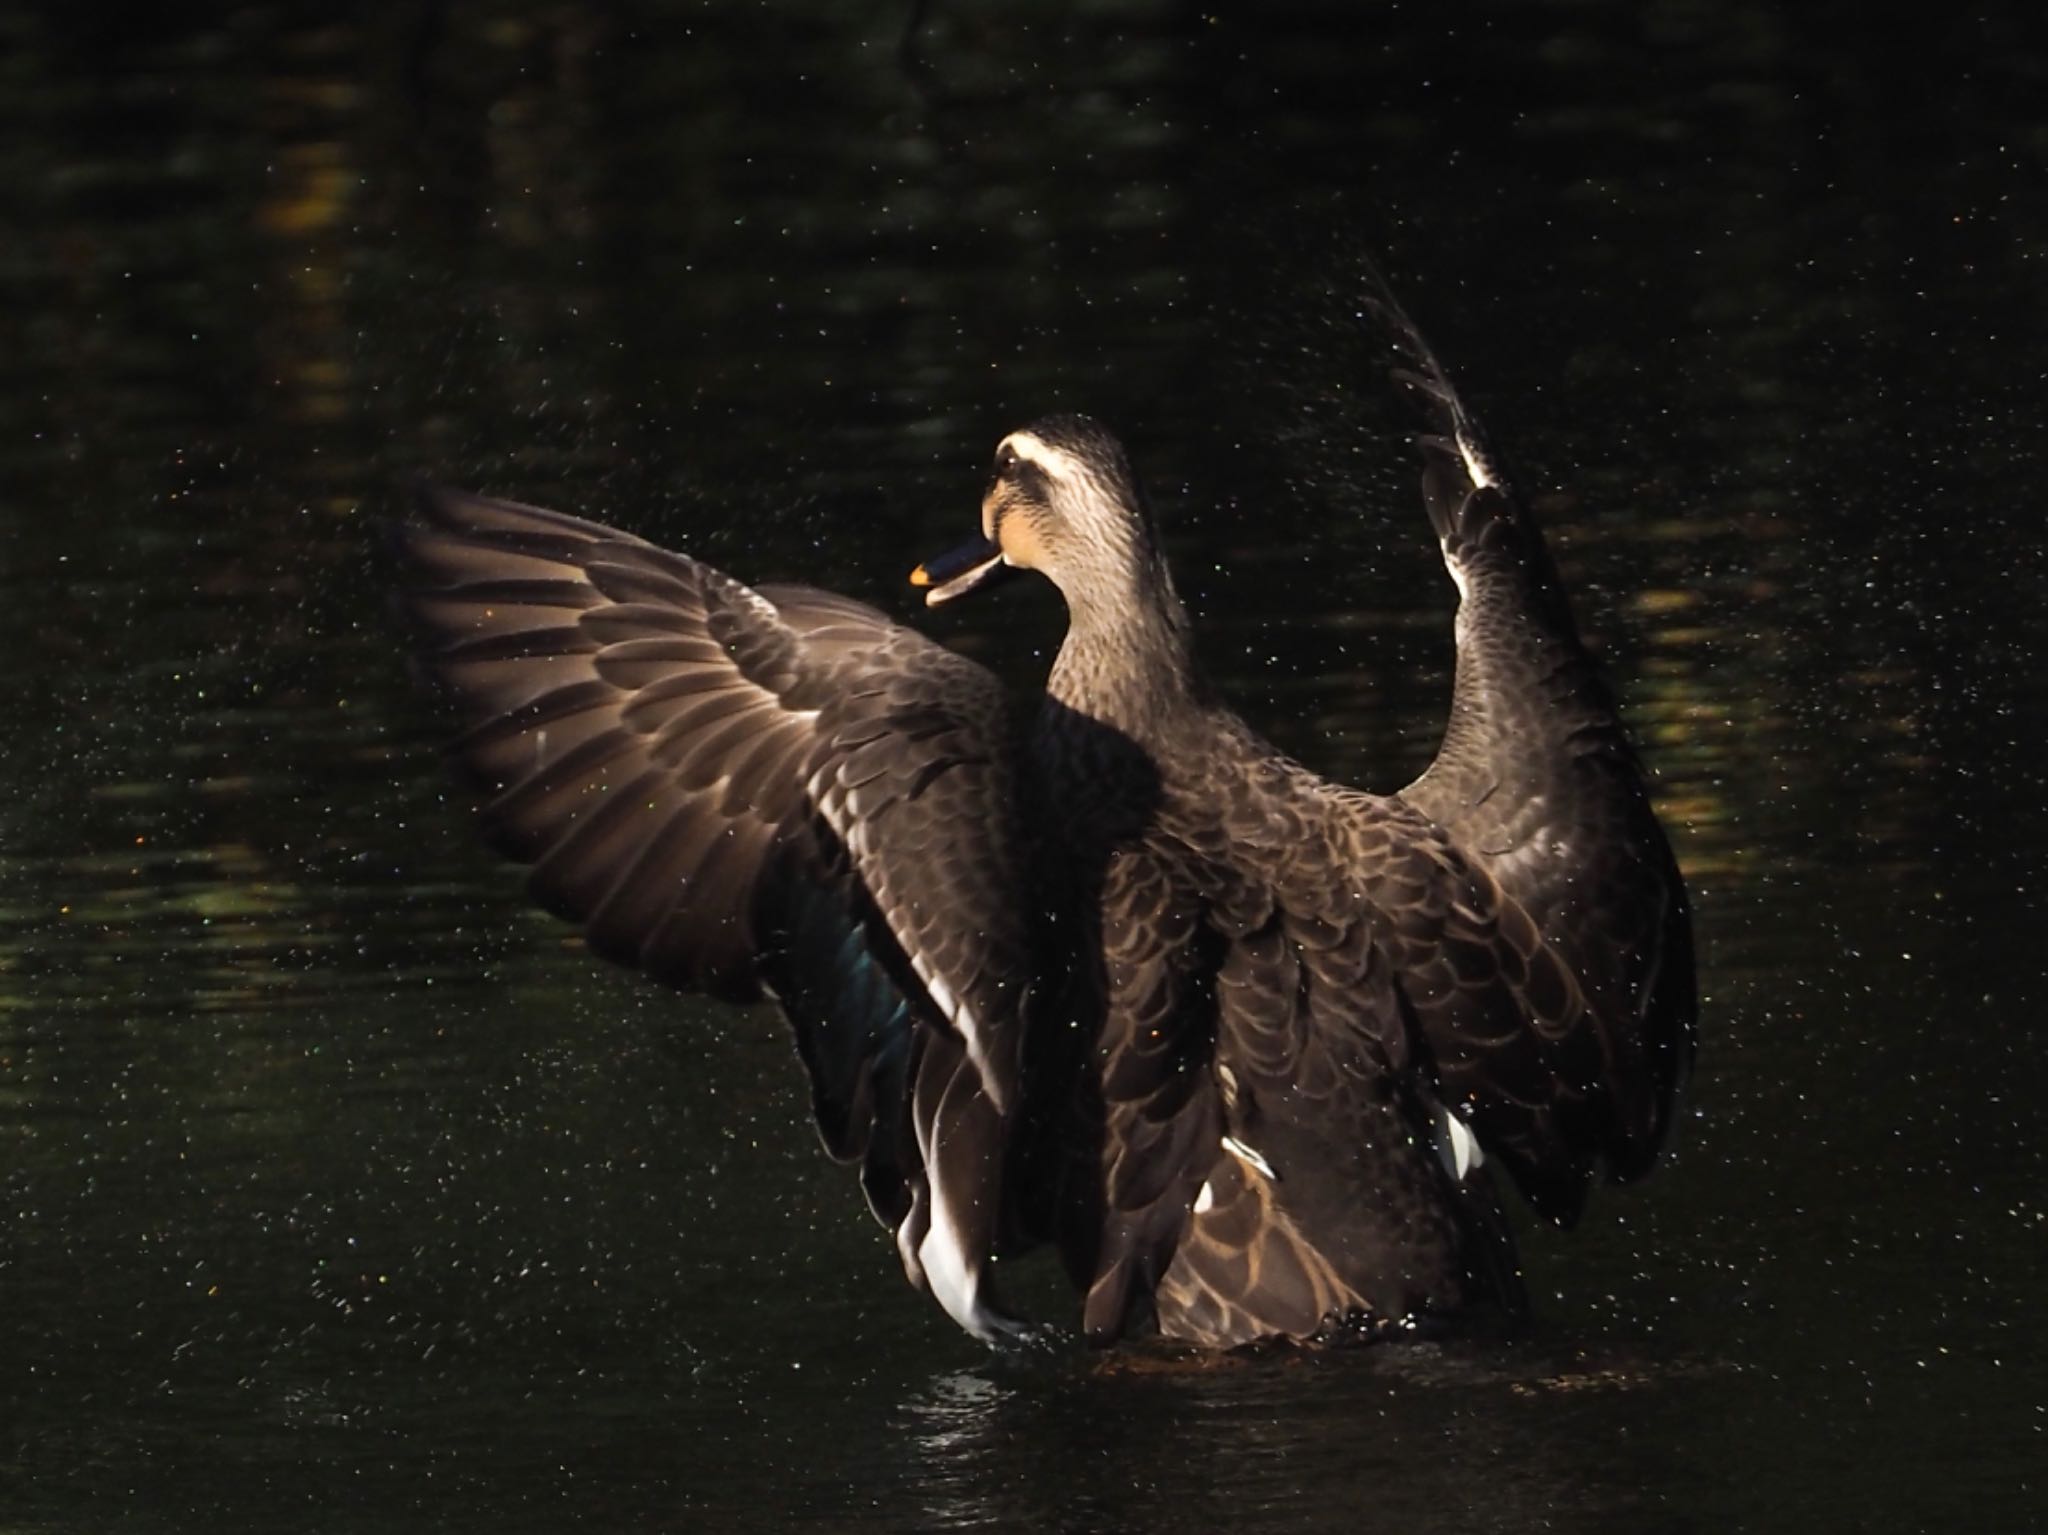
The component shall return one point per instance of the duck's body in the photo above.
(1276, 1160)
(1241, 1041)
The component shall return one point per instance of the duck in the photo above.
(1256, 1052)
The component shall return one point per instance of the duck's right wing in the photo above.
(1536, 781)
(776, 792)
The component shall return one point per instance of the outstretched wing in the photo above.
(1537, 783)
(774, 792)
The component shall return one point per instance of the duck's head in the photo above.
(1061, 500)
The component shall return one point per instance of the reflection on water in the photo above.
(1426, 1439)
(332, 1176)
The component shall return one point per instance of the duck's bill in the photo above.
(957, 574)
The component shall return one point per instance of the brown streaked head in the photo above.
(1060, 500)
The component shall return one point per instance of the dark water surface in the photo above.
(340, 1190)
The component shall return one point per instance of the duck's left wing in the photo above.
(1537, 782)
(774, 792)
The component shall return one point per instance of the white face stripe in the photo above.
(1057, 462)
(1059, 466)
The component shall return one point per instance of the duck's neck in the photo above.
(1128, 659)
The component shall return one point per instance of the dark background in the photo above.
(339, 1190)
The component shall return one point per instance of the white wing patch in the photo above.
(1250, 1158)
(1457, 579)
(1456, 1146)
(954, 1284)
(942, 996)
(1476, 466)
(951, 1268)
(906, 1247)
